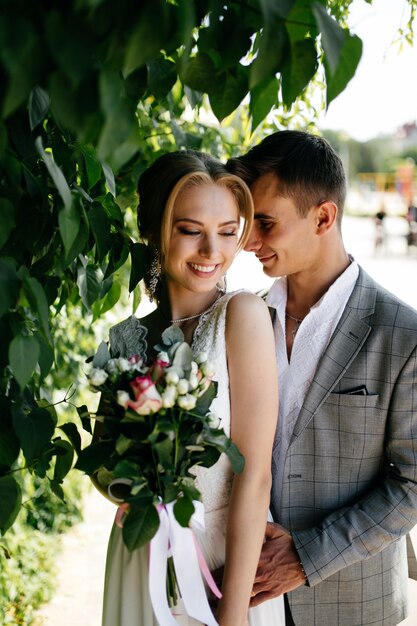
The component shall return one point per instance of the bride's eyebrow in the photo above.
(190, 220)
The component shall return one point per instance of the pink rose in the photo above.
(158, 368)
(147, 399)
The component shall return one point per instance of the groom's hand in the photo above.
(279, 569)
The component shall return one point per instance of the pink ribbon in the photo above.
(189, 564)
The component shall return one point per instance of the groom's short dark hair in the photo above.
(307, 168)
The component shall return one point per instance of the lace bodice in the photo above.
(209, 336)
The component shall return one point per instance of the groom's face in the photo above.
(281, 239)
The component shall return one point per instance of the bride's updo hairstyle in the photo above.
(161, 183)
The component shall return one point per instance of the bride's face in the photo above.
(204, 237)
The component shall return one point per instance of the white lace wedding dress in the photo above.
(126, 595)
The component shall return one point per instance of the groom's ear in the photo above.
(326, 215)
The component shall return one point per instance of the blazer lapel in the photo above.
(348, 338)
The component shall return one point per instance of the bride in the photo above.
(190, 210)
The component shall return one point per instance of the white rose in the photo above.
(201, 357)
(169, 396)
(97, 377)
(111, 366)
(172, 378)
(193, 381)
(122, 398)
(163, 356)
(183, 386)
(187, 402)
(208, 369)
(123, 365)
(194, 367)
(213, 420)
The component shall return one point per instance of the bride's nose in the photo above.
(208, 246)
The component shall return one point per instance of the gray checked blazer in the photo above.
(349, 495)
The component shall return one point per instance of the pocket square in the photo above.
(361, 390)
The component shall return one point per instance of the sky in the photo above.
(382, 95)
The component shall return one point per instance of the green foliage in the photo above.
(92, 92)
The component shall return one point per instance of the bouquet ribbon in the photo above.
(172, 538)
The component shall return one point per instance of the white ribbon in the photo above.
(190, 581)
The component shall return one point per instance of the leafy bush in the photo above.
(28, 555)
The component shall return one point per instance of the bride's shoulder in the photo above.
(245, 302)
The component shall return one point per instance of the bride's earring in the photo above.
(154, 275)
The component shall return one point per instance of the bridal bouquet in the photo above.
(155, 427)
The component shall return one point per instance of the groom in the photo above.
(344, 492)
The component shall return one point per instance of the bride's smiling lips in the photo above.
(203, 270)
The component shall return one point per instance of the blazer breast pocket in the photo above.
(368, 400)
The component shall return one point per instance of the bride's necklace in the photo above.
(296, 320)
(197, 315)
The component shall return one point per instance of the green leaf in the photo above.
(56, 175)
(205, 400)
(183, 357)
(236, 459)
(9, 443)
(38, 106)
(112, 296)
(3, 139)
(100, 225)
(23, 357)
(79, 243)
(10, 285)
(92, 165)
(10, 502)
(164, 450)
(140, 526)
(38, 302)
(332, 35)
(141, 257)
(230, 95)
(46, 355)
(199, 73)
(117, 257)
(34, 430)
(69, 220)
(109, 176)
(119, 115)
(101, 356)
(300, 70)
(273, 53)
(162, 76)
(262, 98)
(57, 489)
(6, 220)
(148, 36)
(348, 63)
(64, 458)
(183, 511)
(94, 455)
(71, 431)
(225, 38)
(89, 281)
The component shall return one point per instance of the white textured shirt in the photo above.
(310, 342)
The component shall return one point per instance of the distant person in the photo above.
(344, 493)
(380, 233)
(411, 218)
